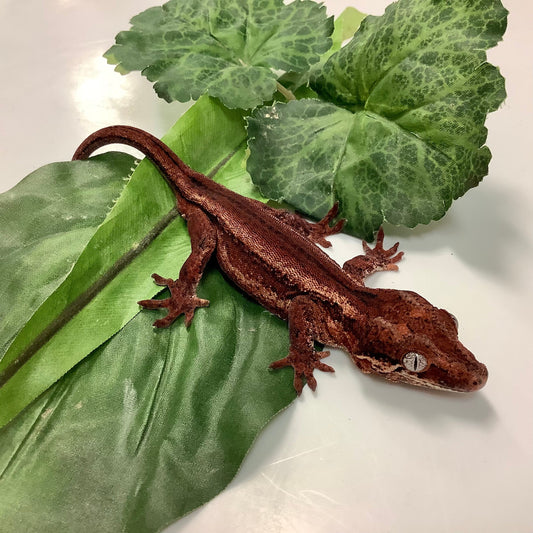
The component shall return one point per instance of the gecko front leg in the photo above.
(183, 298)
(303, 314)
(374, 260)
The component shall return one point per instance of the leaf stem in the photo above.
(287, 93)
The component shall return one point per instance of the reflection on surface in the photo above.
(99, 94)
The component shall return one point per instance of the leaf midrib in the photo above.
(86, 297)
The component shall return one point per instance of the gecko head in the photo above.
(409, 340)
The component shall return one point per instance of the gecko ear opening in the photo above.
(414, 362)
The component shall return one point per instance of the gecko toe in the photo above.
(298, 384)
(161, 281)
(154, 303)
(311, 382)
(281, 363)
(325, 368)
(164, 322)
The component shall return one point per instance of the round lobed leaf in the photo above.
(403, 134)
(226, 48)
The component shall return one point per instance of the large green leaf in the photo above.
(403, 133)
(51, 214)
(142, 234)
(150, 426)
(226, 48)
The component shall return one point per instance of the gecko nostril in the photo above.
(480, 378)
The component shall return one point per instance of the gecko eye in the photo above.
(415, 362)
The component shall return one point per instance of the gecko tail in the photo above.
(166, 161)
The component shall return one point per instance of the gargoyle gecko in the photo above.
(272, 256)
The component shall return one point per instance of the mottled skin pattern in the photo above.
(272, 256)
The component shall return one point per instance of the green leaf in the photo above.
(45, 222)
(142, 234)
(345, 25)
(403, 134)
(150, 426)
(227, 49)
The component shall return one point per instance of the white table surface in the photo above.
(359, 455)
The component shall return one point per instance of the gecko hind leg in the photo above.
(315, 231)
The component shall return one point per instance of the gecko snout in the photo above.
(479, 377)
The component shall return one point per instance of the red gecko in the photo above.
(272, 256)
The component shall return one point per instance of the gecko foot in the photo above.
(304, 364)
(322, 229)
(374, 259)
(386, 259)
(182, 301)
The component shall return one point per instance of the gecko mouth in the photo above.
(377, 364)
